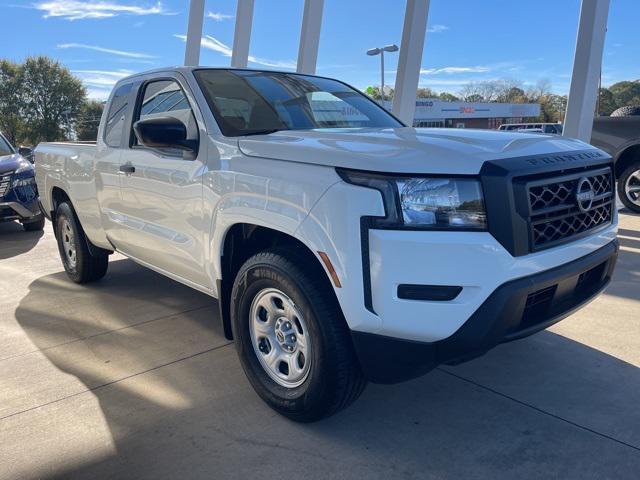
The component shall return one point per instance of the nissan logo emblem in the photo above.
(584, 194)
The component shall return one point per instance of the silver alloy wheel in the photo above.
(632, 188)
(280, 337)
(68, 242)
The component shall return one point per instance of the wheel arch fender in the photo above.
(627, 156)
(57, 196)
(239, 241)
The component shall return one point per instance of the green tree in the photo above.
(51, 99)
(374, 92)
(86, 126)
(606, 102)
(448, 97)
(626, 93)
(512, 95)
(552, 107)
(473, 98)
(426, 93)
(11, 123)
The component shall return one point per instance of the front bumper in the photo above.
(20, 203)
(18, 211)
(514, 310)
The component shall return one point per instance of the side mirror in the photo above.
(164, 132)
(27, 153)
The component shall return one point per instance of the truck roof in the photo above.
(204, 67)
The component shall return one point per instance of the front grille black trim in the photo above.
(506, 200)
(553, 214)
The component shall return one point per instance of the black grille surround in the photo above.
(532, 202)
(555, 213)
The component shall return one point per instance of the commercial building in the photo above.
(437, 113)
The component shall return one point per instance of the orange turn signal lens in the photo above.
(332, 271)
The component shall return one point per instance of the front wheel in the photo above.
(291, 337)
(629, 187)
(81, 265)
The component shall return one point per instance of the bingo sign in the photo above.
(428, 109)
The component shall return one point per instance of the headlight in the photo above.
(24, 175)
(437, 203)
(23, 166)
(442, 202)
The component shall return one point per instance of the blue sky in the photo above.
(467, 40)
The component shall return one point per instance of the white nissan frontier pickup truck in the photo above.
(342, 245)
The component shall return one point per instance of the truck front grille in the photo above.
(563, 208)
(5, 183)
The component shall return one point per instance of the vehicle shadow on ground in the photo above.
(626, 282)
(14, 240)
(515, 412)
(626, 211)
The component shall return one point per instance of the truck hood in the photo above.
(404, 150)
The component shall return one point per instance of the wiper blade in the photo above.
(266, 131)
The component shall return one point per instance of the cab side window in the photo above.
(165, 98)
(114, 126)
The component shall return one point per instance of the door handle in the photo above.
(127, 169)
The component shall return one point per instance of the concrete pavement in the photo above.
(131, 377)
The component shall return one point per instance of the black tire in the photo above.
(87, 267)
(34, 226)
(334, 379)
(632, 204)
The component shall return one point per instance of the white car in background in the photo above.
(554, 128)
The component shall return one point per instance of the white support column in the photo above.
(194, 33)
(410, 60)
(310, 36)
(587, 63)
(242, 34)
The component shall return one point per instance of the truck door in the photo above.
(107, 160)
(162, 205)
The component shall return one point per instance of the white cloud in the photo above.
(121, 53)
(218, 17)
(100, 82)
(99, 94)
(437, 28)
(101, 78)
(81, 10)
(216, 45)
(453, 70)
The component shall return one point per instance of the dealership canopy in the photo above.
(584, 80)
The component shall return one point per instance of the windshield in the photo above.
(250, 102)
(5, 148)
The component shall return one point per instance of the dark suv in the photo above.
(18, 191)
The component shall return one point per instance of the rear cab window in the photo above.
(116, 117)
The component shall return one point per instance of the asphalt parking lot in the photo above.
(131, 377)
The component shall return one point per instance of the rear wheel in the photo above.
(80, 264)
(291, 337)
(629, 187)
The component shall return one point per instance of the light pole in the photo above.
(380, 51)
